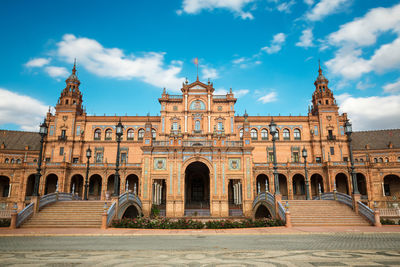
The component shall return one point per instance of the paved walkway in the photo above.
(246, 231)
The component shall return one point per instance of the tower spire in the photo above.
(74, 68)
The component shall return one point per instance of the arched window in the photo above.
(380, 160)
(386, 159)
(253, 134)
(108, 134)
(264, 134)
(12, 161)
(296, 134)
(140, 134)
(197, 126)
(7, 160)
(97, 134)
(286, 134)
(153, 134)
(361, 160)
(375, 160)
(18, 161)
(277, 135)
(130, 134)
(398, 159)
(241, 134)
(356, 160)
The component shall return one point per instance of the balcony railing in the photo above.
(331, 137)
(62, 138)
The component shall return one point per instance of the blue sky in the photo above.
(267, 51)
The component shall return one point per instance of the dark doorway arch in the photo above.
(262, 212)
(283, 189)
(362, 185)
(316, 182)
(76, 185)
(133, 183)
(4, 186)
(95, 183)
(341, 183)
(131, 212)
(51, 184)
(262, 183)
(30, 184)
(299, 187)
(111, 184)
(197, 188)
(391, 184)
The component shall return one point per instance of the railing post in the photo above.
(14, 214)
(35, 200)
(287, 215)
(334, 194)
(56, 196)
(104, 217)
(116, 200)
(278, 198)
(377, 215)
(356, 198)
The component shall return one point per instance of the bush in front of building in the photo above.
(166, 223)
(388, 222)
(5, 222)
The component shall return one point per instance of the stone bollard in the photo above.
(104, 217)
(35, 200)
(288, 219)
(14, 215)
(356, 198)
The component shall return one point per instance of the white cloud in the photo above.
(324, 8)
(37, 62)
(309, 2)
(22, 110)
(285, 6)
(236, 93)
(56, 72)
(208, 72)
(276, 43)
(362, 85)
(235, 6)
(362, 32)
(372, 112)
(306, 38)
(392, 87)
(112, 62)
(270, 97)
(239, 60)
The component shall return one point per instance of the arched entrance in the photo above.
(95, 183)
(316, 182)
(76, 186)
(131, 212)
(235, 197)
(4, 186)
(132, 183)
(197, 189)
(391, 184)
(262, 212)
(299, 187)
(283, 189)
(341, 183)
(262, 183)
(51, 184)
(110, 185)
(30, 184)
(362, 185)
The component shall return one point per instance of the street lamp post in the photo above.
(272, 129)
(304, 154)
(118, 131)
(88, 155)
(43, 133)
(349, 131)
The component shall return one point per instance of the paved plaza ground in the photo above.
(237, 247)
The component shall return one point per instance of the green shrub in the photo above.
(5, 222)
(388, 222)
(166, 223)
(155, 211)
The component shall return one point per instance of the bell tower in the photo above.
(71, 97)
(322, 98)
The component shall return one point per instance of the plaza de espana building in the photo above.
(198, 155)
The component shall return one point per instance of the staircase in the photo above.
(68, 214)
(323, 213)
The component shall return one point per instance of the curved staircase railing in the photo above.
(123, 199)
(24, 214)
(127, 196)
(281, 212)
(111, 213)
(368, 213)
(345, 199)
(264, 196)
(45, 200)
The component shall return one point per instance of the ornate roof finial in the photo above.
(164, 92)
(74, 68)
(319, 67)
